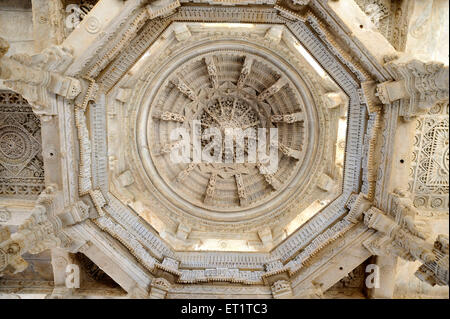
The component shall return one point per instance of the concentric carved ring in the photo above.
(227, 89)
(224, 90)
(225, 84)
(15, 145)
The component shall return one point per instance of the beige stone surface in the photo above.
(91, 92)
(429, 24)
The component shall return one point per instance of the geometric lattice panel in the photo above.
(430, 169)
(21, 164)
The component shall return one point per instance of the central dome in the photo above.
(226, 84)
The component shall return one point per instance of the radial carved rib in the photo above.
(212, 71)
(210, 188)
(184, 88)
(273, 89)
(289, 151)
(245, 71)
(288, 118)
(169, 116)
(233, 109)
(184, 173)
(222, 112)
(269, 178)
(241, 189)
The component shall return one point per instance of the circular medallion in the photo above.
(228, 103)
(260, 167)
(15, 145)
(225, 134)
(92, 25)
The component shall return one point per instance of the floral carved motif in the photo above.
(430, 170)
(21, 163)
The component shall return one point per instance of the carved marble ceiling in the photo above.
(230, 80)
(330, 78)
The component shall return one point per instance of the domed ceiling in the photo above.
(223, 80)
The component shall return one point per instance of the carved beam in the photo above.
(420, 84)
(35, 77)
(41, 231)
(399, 235)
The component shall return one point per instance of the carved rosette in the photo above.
(225, 90)
(21, 162)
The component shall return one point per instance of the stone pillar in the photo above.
(41, 231)
(400, 236)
